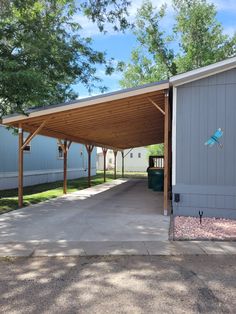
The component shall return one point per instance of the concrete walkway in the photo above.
(91, 248)
(121, 217)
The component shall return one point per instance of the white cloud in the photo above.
(225, 5)
(90, 29)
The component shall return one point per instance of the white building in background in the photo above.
(136, 160)
(109, 160)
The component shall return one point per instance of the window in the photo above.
(110, 160)
(139, 155)
(131, 155)
(27, 148)
(60, 151)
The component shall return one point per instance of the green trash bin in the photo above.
(156, 179)
(149, 171)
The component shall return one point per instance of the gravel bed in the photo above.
(189, 228)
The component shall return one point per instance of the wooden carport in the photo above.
(120, 120)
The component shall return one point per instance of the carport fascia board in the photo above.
(88, 102)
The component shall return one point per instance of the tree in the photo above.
(155, 150)
(198, 38)
(143, 69)
(42, 51)
(202, 41)
(154, 59)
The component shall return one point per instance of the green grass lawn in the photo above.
(42, 192)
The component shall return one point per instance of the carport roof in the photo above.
(127, 118)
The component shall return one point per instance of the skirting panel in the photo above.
(207, 212)
(10, 181)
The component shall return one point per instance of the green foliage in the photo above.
(156, 150)
(42, 51)
(107, 11)
(198, 38)
(143, 69)
(202, 39)
(153, 60)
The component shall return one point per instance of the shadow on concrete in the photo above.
(199, 284)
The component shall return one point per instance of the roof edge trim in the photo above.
(95, 100)
(203, 72)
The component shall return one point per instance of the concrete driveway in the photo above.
(121, 210)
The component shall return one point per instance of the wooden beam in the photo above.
(96, 137)
(26, 141)
(31, 136)
(20, 165)
(156, 105)
(166, 153)
(89, 150)
(104, 150)
(97, 116)
(124, 142)
(115, 154)
(131, 125)
(73, 138)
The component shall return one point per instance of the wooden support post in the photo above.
(115, 154)
(21, 145)
(166, 153)
(65, 150)
(104, 150)
(123, 166)
(20, 165)
(89, 150)
(89, 168)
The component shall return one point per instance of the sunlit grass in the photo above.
(42, 192)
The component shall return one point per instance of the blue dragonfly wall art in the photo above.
(214, 139)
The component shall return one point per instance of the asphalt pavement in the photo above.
(119, 284)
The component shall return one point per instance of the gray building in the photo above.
(43, 160)
(204, 177)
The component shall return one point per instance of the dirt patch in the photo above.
(189, 228)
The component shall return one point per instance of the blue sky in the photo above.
(119, 46)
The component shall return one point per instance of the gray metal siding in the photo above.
(206, 176)
(41, 164)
